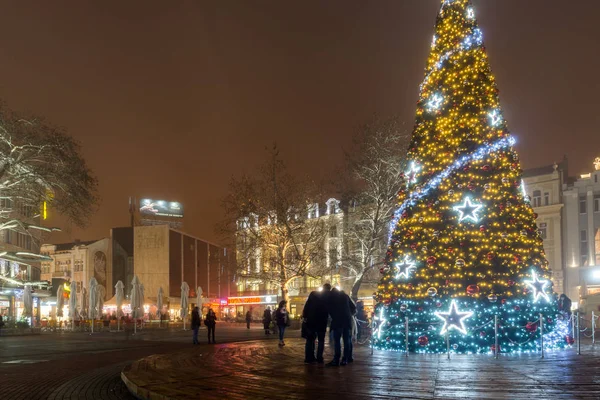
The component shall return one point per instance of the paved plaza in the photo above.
(262, 370)
(82, 366)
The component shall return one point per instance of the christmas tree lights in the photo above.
(464, 246)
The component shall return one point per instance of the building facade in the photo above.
(582, 234)
(543, 187)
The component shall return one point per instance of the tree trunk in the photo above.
(285, 292)
(356, 287)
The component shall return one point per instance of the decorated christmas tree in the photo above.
(465, 247)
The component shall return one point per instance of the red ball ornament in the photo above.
(493, 348)
(490, 256)
(517, 258)
(482, 334)
(413, 246)
(471, 186)
(535, 215)
(382, 271)
(466, 167)
(431, 260)
(501, 206)
(511, 282)
(420, 309)
(569, 339)
(531, 327)
(472, 289)
(482, 228)
(517, 308)
(438, 304)
(486, 168)
(423, 340)
(549, 320)
(503, 301)
(517, 183)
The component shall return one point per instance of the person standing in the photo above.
(342, 310)
(315, 318)
(211, 322)
(195, 324)
(282, 318)
(564, 307)
(248, 318)
(267, 321)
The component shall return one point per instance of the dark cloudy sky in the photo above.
(170, 98)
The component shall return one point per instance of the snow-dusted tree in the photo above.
(41, 164)
(278, 236)
(374, 175)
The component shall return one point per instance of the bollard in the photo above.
(496, 336)
(406, 337)
(573, 325)
(542, 334)
(448, 344)
(578, 336)
(593, 328)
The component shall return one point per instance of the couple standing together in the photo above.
(317, 310)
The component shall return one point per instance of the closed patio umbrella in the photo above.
(136, 298)
(119, 293)
(27, 302)
(60, 301)
(73, 305)
(185, 290)
(92, 300)
(100, 295)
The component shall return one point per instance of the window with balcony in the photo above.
(537, 198)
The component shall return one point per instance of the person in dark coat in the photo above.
(248, 318)
(315, 317)
(195, 324)
(342, 310)
(211, 322)
(282, 318)
(267, 321)
(564, 307)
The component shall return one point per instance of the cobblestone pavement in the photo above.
(262, 370)
(82, 366)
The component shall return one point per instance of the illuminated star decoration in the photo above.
(405, 267)
(468, 211)
(453, 319)
(411, 174)
(382, 320)
(538, 286)
(495, 118)
(470, 13)
(435, 102)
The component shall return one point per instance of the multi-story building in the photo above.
(165, 258)
(256, 293)
(582, 234)
(77, 263)
(20, 259)
(544, 185)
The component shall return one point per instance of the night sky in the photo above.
(170, 98)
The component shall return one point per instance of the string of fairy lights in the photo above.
(464, 247)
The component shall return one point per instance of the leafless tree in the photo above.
(276, 239)
(41, 164)
(374, 176)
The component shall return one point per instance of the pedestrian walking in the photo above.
(195, 324)
(314, 324)
(342, 310)
(211, 322)
(282, 318)
(248, 318)
(1, 324)
(267, 321)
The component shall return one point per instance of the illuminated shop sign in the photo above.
(161, 208)
(253, 300)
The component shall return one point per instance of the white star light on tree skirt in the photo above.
(468, 211)
(382, 320)
(538, 286)
(404, 268)
(453, 319)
